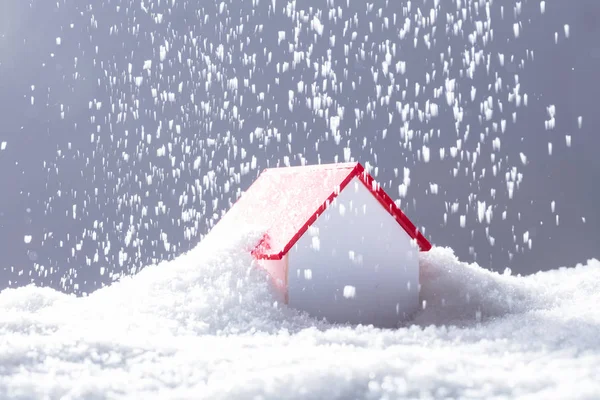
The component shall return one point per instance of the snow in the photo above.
(205, 326)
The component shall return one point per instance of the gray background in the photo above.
(51, 163)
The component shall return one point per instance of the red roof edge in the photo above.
(262, 247)
(389, 204)
(378, 193)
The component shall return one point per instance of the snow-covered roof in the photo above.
(286, 201)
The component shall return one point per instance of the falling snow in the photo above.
(182, 111)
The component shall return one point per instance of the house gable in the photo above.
(355, 263)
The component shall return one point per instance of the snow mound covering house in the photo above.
(206, 326)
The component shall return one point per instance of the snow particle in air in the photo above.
(315, 243)
(523, 158)
(349, 291)
(516, 29)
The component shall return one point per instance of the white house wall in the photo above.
(356, 264)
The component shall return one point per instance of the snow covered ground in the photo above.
(205, 327)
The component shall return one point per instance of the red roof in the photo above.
(286, 202)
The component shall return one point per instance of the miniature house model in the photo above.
(337, 246)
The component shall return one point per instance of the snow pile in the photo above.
(205, 326)
(454, 292)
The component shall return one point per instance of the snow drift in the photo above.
(206, 326)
